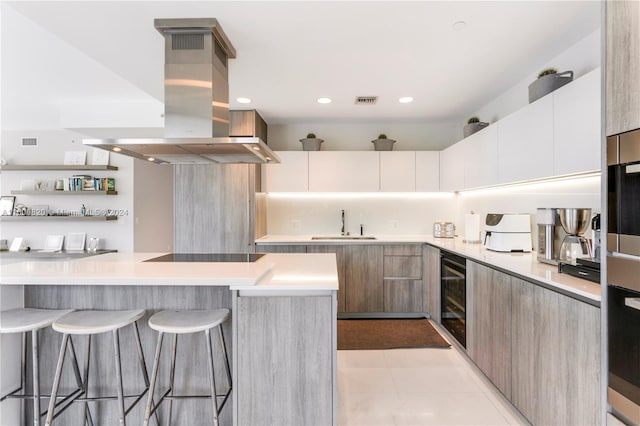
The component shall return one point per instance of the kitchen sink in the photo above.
(343, 237)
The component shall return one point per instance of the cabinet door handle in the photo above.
(632, 302)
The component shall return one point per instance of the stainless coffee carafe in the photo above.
(550, 235)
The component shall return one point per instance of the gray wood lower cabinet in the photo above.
(363, 276)
(280, 248)
(402, 295)
(340, 260)
(431, 276)
(286, 361)
(555, 357)
(489, 323)
(539, 347)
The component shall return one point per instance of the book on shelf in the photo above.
(89, 183)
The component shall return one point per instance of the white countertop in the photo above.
(290, 272)
(522, 264)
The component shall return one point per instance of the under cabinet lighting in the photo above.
(538, 184)
(117, 149)
(151, 159)
(360, 195)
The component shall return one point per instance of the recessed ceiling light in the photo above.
(324, 100)
(243, 100)
(405, 99)
(459, 25)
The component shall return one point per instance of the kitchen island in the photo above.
(283, 331)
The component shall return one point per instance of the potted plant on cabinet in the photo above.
(311, 143)
(548, 80)
(473, 125)
(383, 143)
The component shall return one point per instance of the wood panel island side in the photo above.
(282, 333)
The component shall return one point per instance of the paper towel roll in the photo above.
(472, 228)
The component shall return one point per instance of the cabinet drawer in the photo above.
(402, 295)
(403, 266)
(403, 249)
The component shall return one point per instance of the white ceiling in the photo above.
(290, 53)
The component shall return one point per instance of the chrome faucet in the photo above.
(342, 229)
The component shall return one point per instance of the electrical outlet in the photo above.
(395, 224)
(296, 225)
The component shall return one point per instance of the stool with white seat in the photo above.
(88, 323)
(187, 322)
(24, 320)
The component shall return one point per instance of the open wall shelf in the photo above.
(57, 218)
(11, 167)
(64, 192)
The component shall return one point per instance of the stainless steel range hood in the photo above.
(196, 94)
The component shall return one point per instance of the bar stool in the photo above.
(88, 323)
(187, 322)
(24, 320)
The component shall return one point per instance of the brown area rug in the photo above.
(365, 334)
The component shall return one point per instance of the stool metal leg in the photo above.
(36, 377)
(226, 358)
(56, 380)
(86, 413)
(116, 348)
(214, 400)
(172, 374)
(143, 364)
(154, 377)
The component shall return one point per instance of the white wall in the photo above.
(580, 58)
(50, 150)
(358, 136)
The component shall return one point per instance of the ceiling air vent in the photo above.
(366, 100)
(29, 141)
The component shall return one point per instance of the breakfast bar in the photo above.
(281, 338)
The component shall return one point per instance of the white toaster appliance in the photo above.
(508, 232)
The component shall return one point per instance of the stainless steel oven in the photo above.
(453, 284)
(624, 353)
(623, 181)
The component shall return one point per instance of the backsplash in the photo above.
(405, 214)
(581, 192)
(319, 214)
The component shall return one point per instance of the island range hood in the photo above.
(196, 95)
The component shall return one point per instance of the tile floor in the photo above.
(416, 387)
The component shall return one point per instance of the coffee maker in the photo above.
(550, 235)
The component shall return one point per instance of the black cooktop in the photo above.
(207, 257)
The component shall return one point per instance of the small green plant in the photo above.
(473, 119)
(382, 136)
(311, 135)
(547, 71)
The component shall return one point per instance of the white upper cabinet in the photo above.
(525, 143)
(452, 167)
(427, 171)
(344, 171)
(397, 171)
(576, 130)
(291, 175)
(481, 158)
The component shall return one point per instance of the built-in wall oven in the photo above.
(623, 274)
(623, 181)
(454, 295)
